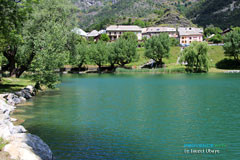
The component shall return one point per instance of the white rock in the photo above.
(23, 144)
(13, 119)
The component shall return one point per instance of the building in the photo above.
(93, 35)
(188, 35)
(153, 31)
(80, 32)
(115, 31)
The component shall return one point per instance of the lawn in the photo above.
(216, 54)
(174, 53)
(13, 84)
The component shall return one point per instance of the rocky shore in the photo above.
(20, 144)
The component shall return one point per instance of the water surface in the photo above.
(138, 116)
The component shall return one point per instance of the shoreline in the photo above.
(19, 143)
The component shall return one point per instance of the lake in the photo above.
(139, 117)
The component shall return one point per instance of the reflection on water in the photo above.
(138, 116)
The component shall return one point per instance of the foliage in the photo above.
(99, 53)
(104, 37)
(216, 39)
(196, 57)
(13, 15)
(228, 64)
(174, 42)
(140, 23)
(157, 48)
(212, 30)
(80, 55)
(129, 36)
(125, 49)
(45, 40)
(232, 44)
(214, 12)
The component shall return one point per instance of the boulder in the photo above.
(19, 94)
(26, 93)
(16, 100)
(25, 146)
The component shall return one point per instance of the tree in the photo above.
(45, 37)
(104, 37)
(140, 23)
(99, 54)
(216, 39)
(232, 44)
(196, 57)
(129, 36)
(13, 15)
(125, 50)
(174, 42)
(78, 48)
(80, 55)
(157, 48)
(112, 55)
(212, 30)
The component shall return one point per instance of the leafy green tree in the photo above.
(140, 23)
(125, 50)
(216, 39)
(45, 37)
(13, 15)
(80, 55)
(196, 57)
(112, 55)
(212, 30)
(232, 44)
(157, 48)
(129, 36)
(104, 37)
(174, 42)
(99, 54)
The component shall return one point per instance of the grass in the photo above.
(216, 54)
(2, 144)
(13, 84)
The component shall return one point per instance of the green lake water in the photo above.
(138, 116)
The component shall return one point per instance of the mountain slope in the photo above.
(97, 14)
(221, 13)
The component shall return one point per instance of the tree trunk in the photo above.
(159, 63)
(10, 55)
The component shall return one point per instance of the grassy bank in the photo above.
(216, 54)
(13, 84)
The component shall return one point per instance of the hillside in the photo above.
(221, 13)
(100, 13)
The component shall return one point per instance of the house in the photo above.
(80, 32)
(152, 31)
(188, 35)
(115, 31)
(226, 31)
(93, 35)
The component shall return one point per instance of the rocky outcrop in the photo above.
(21, 145)
(175, 19)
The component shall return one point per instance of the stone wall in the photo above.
(21, 145)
